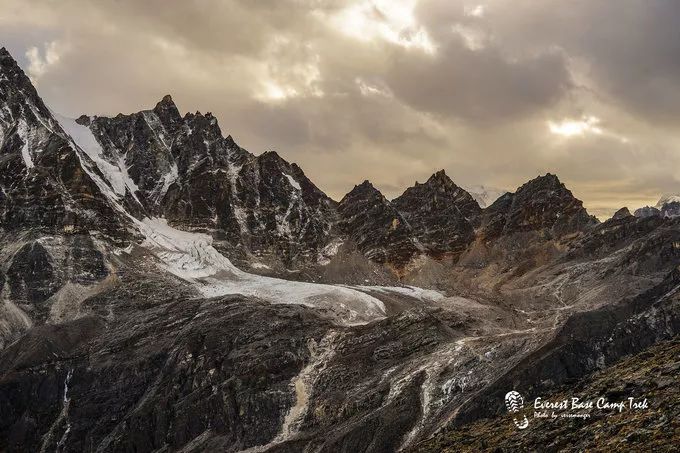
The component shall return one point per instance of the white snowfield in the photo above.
(192, 257)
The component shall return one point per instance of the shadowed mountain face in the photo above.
(379, 230)
(543, 204)
(164, 289)
(443, 216)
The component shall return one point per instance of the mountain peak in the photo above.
(271, 154)
(8, 65)
(439, 192)
(167, 112)
(439, 178)
(376, 226)
(363, 191)
(544, 203)
(165, 103)
(548, 180)
(621, 214)
(365, 188)
(441, 214)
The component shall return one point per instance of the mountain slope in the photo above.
(649, 375)
(133, 316)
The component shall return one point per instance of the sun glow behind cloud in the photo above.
(388, 20)
(571, 128)
(587, 126)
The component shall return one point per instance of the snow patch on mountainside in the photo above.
(22, 130)
(293, 182)
(168, 179)
(192, 257)
(116, 174)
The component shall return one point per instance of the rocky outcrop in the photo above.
(647, 211)
(621, 214)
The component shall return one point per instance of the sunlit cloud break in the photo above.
(392, 21)
(571, 128)
(587, 125)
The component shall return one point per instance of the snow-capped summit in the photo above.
(667, 198)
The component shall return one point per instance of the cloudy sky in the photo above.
(496, 92)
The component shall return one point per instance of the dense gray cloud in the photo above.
(494, 91)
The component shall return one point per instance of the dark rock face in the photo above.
(149, 386)
(41, 176)
(621, 214)
(186, 171)
(141, 144)
(543, 204)
(441, 214)
(280, 210)
(379, 230)
(32, 278)
(647, 211)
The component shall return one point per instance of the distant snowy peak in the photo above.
(667, 198)
(485, 195)
(668, 206)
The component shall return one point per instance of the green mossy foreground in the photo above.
(653, 374)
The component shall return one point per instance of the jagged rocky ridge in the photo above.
(132, 317)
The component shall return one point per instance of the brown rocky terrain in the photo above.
(652, 375)
(164, 289)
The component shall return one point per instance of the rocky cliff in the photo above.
(164, 289)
